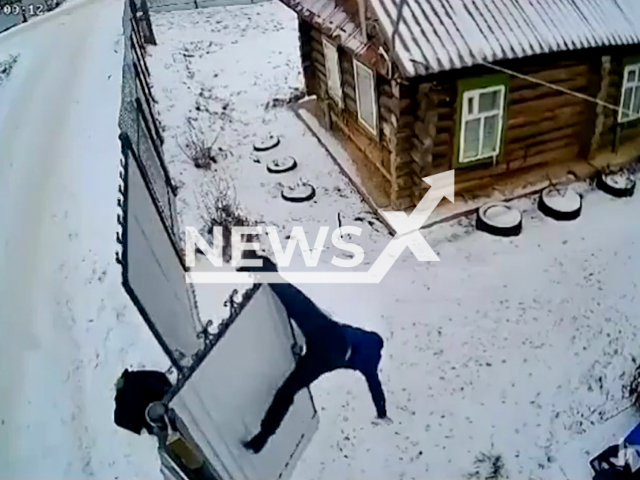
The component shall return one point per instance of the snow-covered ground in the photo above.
(67, 329)
(517, 347)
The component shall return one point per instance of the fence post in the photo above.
(149, 36)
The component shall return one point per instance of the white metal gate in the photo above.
(224, 400)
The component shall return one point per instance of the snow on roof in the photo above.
(338, 19)
(437, 35)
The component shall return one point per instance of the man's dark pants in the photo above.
(306, 371)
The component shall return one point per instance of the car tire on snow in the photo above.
(499, 219)
(302, 192)
(281, 165)
(267, 143)
(559, 203)
(620, 184)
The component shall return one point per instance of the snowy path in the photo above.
(68, 329)
(523, 344)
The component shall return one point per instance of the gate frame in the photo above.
(128, 151)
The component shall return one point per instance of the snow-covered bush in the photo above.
(198, 147)
(633, 388)
(6, 66)
(220, 208)
(488, 466)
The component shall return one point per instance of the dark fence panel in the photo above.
(152, 254)
(153, 275)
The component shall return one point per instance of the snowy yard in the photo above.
(518, 347)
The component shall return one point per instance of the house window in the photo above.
(366, 97)
(630, 100)
(481, 124)
(332, 66)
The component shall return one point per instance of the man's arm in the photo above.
(377, 394)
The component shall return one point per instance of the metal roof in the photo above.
(334, 18)
(437, 35)
(337, 19)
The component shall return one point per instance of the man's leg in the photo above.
(306, 371)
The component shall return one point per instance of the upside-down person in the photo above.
(329, 346)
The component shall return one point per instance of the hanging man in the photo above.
(329, 346)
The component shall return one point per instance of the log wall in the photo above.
(418, 117)
(542, 124)
(379, 149)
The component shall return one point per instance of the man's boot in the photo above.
(257, 443)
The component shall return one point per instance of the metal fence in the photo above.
(152, 257)
(172, 5)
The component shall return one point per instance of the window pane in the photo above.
(631, 75)
(636, 101)
(470, 109)
(333, 71)
(490, 135)
(471, 139)
(489, 101)
(366, 99)
(626, 102)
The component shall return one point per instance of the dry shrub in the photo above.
(220, 208)
(6, 66)
(197, 146)
(488, 466)
(633, 388)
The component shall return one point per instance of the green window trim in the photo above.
(632, 87)
(499, 81)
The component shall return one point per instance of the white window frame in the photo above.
(332, 50)
(632, 85)
(466, 117)
(373, 129)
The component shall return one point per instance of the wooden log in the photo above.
(405, 122)
(316, 34)
(551, 76)
(318, 61)
(404, 181)
(441, 150)
(540, 91)
(468, 175)
(388, 102)
(541, 148)
(403, 203)
(445, 126)
(404, 168)
(402, 160)
(557, 155)
(351, 105)
(405, 192)
(419, 192)
(424, 133)
(542, 107)
(571, 135)
(442, 138)
(629, 134)
(405, 105)
(564, 115)
(540, 129)
(321, 77)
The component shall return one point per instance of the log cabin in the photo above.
(485, 87)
